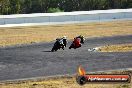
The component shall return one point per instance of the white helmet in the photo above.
(64, 37)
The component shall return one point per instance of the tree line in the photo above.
(46, 6)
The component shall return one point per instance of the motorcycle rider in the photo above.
(64, 40)
(76, 43)
(60, 43)
(82, 38)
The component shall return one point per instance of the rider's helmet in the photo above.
(64, 37)
(81, 35)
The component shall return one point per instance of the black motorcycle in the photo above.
(58, 45)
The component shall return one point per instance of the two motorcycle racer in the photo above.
(62, 42)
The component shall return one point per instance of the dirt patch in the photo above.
(117, 48)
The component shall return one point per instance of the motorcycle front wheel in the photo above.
(54, 49)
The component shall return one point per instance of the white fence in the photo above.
(78, 16)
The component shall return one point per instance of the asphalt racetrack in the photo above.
(36, 60)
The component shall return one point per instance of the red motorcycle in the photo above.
(77, 42)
